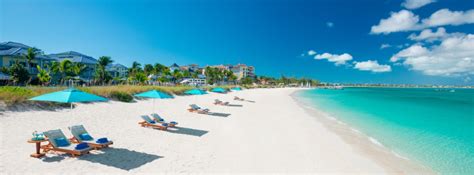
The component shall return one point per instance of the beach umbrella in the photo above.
(154, 94)
(219, 90)
(236, 88)
(70, 95)
(195, 92)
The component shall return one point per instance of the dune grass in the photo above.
(12, 95)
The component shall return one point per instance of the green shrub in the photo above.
(13, 94)
(121, 96)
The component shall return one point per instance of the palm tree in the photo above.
(177, 75)
(101, 72)
(159, 68)
(29, 56)
(43, 76)
(149, 69)
(19, 73)
(186, 74)
(136, 67)
(77, 68)
(62, 68)
(195, 75)
(141, 78)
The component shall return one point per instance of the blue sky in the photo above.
(273, 35)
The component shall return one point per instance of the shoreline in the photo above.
(391, 161)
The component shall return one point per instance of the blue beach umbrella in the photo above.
(236, 88)
(154, 94)
(195, 92)
(219, 90)
(70, 95)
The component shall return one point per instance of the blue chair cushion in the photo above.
(81, 146)
(174, 123)
(85, 136)
(152, 122)
(161, 120)
(61, 142)
(164, 124)
(102, 140)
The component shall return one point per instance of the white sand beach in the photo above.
(276, 134)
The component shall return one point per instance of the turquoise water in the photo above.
(432, 126)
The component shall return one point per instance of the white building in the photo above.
(117, 70)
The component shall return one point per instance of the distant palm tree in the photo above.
(136, 67)
(159, 68)
(149, 69)
(186, 74)
(43, 76)
(29, 56)
(141, 78)
(101, 73)
(62, 68)
(77, 68)
(177, 75)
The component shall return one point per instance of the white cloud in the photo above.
(330, 24)
(429, 35)
(413, 51)
(446, 17)
(403, 20)
(336, 59)
(311, 52)
(414, 4)
(454, 56)
(372, 66)
(383, 46)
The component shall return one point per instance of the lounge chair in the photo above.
(148, 122)
(59, 142)
(196, 108)
(218, 102)
(239, 99)
(80, 135)
(158, 119)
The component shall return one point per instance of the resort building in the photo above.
(199, 81)
(243, 71)
(12, 52)
(90, 63)
(193, 68)
(222, 67)
(173, 67)
(117, 70)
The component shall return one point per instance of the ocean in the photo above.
(432, 126)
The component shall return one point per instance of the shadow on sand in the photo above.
(187, 131)
(55, 158)
(217, 114)
(120, 158)
(235, 105)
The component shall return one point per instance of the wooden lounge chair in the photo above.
(148, 122)
(54, 136)
(218, 102)
(196, 108)
(238, 99)
(80, 134)
(158, 119)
